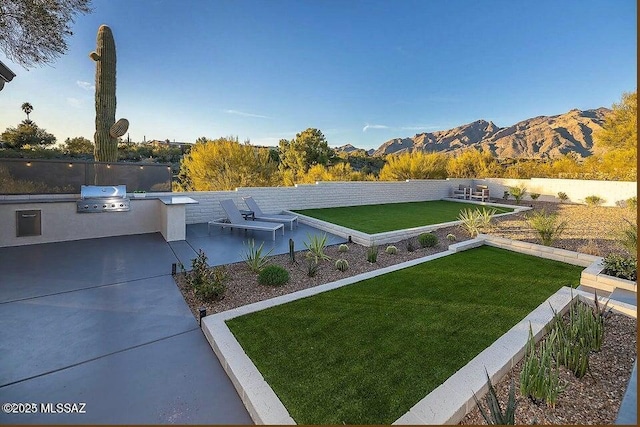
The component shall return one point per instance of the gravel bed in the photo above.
(594, 399)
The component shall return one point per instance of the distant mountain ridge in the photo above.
(542, 137)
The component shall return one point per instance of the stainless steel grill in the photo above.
(103, 198)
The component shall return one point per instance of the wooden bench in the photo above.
(481, 192)
(463, 192)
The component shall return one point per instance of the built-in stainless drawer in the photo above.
(28, 223)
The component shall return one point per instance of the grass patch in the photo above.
(373, 219)
(367, 352)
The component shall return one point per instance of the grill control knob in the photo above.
(113, 205)
(86, 206)
(104, 206)
(121, 205)
(95, 206)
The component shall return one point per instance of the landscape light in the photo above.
(28, 163)
(203, 313)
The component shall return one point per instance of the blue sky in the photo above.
(362, 72)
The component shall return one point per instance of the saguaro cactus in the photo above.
(107, 131)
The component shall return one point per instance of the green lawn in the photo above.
(367, 352)
(373, 219)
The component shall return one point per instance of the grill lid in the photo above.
(102, 191)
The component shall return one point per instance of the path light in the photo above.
(350, 241)
(173, 269)
(203, 313)
(28, 163)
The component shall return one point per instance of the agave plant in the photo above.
(316, 245)
(471, 221)
(254, 258)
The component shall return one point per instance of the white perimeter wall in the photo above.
(576, 189)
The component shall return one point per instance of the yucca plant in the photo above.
(548, 227)
(471, 221)
(518, 193)
(540, 378)
(485, 217)
(316, 246)
(495, 416)
(562, 196)
(372, 254)
(254, 258)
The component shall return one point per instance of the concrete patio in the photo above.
(101, 322)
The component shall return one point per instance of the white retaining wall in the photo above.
(576, 189)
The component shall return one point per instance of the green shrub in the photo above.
(410, 247)
(316, 246)
(540, 378)
(534, 196)
(207, 283)
(391, 250)
(624, 267)
(254, 258)
(518, 193)
(563, 197)
(342, 265)
(372, 254)
(451, 237)
(273, 275)
(427, 240)
(632, 203)
(312, 267)
(548, 227)
(495, 415)
(343, 248)
(594, 200)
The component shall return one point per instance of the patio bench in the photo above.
(481, 192)
(463, 192)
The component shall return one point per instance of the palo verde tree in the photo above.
(34, 32)
(27, 133)
(415, 165)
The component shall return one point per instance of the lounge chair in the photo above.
(261, 216)
(481, 192)
(237, 221)
(463, 192)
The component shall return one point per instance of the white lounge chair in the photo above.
(261, 216)
(237, 221)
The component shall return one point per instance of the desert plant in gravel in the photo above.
(471, 221)
(496, 416)
(485, 218)
(342, 265)
(312, 267)
(254, 257)
(540, 378)
(343, 248)
(207, 283)
(316, 245)
(594, 200)
(391, 250)
(518, 193)
(505, 195)
(372, 254)
(273, 275)
(547, 225)
(632, 203)
(628, 238)
(410, 247)
(427, 240)
(563, 196)
(451, 237)
(534, 196)
(624, 267)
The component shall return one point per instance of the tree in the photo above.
(77, 146)
(27, 108)
(309, 148)
(34, 32)
(27, 133)
(473, 164)
(415, 165)
(224, 164)
(620, 129)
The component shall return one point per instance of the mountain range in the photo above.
(542, 137)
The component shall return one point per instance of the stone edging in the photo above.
(449, 402)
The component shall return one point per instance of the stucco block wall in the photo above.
(319, 195)
(576, 189)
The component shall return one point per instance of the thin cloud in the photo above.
(367, 126)
(242, 113)
(85, 85)
(75, 102)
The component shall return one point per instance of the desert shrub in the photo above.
(628, 238)
(391, 250)
(505, 195)
(343, 248)
(632, 203)
(312, 267)
(563, 196)
(372, 254)
(534, 196)
(451, 237)
(540, 378)
(207, 283)
(471, 221)
(485, 217)
(273, 275)
(495, 415)
(589, 248)
(410, 247)
(427, 240)
(624, 267)
(316, 246)
(518, 193)
(342, 265)
(547, 225)
(254, 257)
(594, 200)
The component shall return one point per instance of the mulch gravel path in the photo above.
(595, 399)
